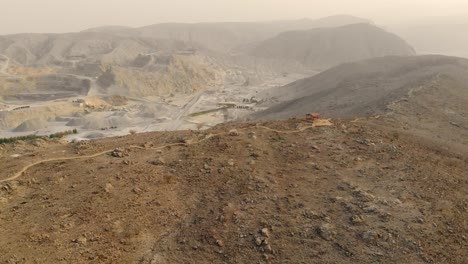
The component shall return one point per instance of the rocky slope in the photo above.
(355, 192)
(326, 47)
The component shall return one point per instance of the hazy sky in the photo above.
(75, 15)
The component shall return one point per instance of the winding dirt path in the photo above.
(319, 123)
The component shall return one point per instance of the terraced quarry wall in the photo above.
(181, 74)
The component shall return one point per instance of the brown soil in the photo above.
(350, 193)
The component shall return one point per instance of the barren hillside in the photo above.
(367, 87)
(425, 93)
(273, 192)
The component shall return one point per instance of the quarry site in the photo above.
(331, 140)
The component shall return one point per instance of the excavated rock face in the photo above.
(12, 119)
(106, 79)
(43, 87)
(71, 64)
(180, 74)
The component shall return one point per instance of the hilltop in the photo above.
(266, 192)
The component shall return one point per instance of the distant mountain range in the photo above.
(225, 36)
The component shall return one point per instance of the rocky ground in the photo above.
(353, 192)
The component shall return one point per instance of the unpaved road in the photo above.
(184, 111)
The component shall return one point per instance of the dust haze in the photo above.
(27, 16)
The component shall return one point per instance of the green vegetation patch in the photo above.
(34, 136)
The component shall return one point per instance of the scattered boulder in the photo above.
(265, 232)
(148, 145)
(364, 196)
(39, 142)
(326, 231)
(109, 188)
(369, 235)
(158, 162)
(220, 243)
(233, 132)
(357, 219)
(264, 244)
(81, 240)
(258, 241)
(117, 153)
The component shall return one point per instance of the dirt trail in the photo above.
(24, 169)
